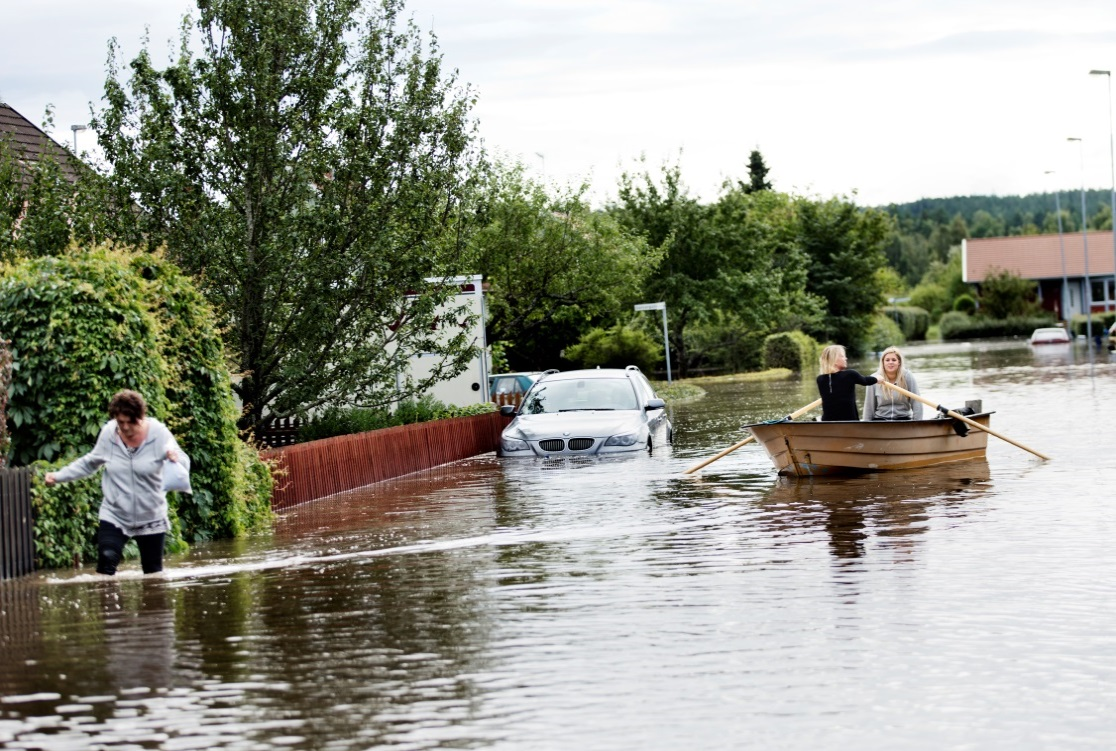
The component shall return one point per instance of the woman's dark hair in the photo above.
(127, 403)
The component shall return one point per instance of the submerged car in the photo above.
(587, 412)
(1050, 335)
(509, 388)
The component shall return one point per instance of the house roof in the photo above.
(1038, 256)
(31, 144)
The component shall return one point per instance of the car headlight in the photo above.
(513, 444)
(627, 439)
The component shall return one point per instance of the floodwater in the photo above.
(619, 604)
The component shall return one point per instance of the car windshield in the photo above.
(580, 394)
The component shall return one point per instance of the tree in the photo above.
(555, 267)
(845, 246)
(1003, 294)
(309, 168)
(757, 173)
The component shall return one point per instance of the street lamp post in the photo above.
(1062, 250)
(75, 129)
(666, 343)
(1112, 170)
(1088, 299)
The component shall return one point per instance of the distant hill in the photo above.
(992, 216)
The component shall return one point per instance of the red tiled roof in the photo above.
(1037, 256)
(30, 143)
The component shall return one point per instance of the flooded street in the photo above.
(620, 604)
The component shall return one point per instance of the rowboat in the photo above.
(806, 449)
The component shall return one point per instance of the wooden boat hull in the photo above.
(806, 449)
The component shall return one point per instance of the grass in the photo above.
(690, 388)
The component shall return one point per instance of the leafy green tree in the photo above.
(555, 268)
(309, 168)
(845, 246)
(739, 256)
(1003, 294)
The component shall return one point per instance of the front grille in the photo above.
(580, 444)
(552, 444)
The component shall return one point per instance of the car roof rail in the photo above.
(633, 367)
(551, 371)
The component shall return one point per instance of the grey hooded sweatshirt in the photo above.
(132, 484)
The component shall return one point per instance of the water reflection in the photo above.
(893, 506)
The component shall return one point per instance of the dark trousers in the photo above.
(110, 549)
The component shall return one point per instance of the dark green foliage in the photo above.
(1101, 323)
(337, 421)
(845, 246)
(617, 347)
(723, 344)
(965, 304)
(66, 520)
(791, 349)
(81, 330)
(554, 267)
(912, 321)
(757, 173)
(5, 382)
(83, 327)
(1005, 295)
(956, 325)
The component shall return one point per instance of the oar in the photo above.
(962, 418)
(749, 439)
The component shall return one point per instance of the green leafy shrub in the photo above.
(1004, 295)
(885, 332)
(350, 420)
(933, 298)
(5, 381)
(965, 304)
(793, 350)
(912, 321)
(955, 325)
(87, 324)
(617, 347)
(723, 344)
(1101, 323)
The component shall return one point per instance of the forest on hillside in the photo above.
(925, 230)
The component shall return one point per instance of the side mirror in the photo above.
(655, 404)
(508, 410)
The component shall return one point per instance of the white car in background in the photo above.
(586, 413)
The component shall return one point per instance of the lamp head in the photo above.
(1100, 73)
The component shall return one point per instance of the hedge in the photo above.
(957, 325)
(913, 321)
(793, 350)
(89, 323)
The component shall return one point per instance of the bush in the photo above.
(955, 325)
(912, 321)
(933, 298)
(793, 350)
(965, 304)
(723, 344)
(617, 347)
(1101, 321)
(1004, 295)
(337, 421)
(5, 381)
(87, 324)
(885, 332)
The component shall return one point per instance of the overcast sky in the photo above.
(892, 101)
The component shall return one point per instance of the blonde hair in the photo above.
(828, 359)
(900, 379)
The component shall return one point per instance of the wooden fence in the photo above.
(17, 549)
(333, 465)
